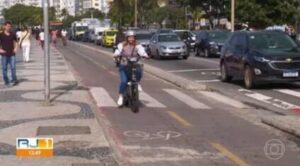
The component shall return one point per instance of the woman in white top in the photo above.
(42, 38)
(132, 50)
(25, 43)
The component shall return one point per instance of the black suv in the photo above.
(260, 56)
(210, 43)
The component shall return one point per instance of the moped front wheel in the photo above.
(135, 103)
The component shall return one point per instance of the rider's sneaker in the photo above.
(120, 100)
(140, 88)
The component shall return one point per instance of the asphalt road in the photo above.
(174, 126)
(279, 98)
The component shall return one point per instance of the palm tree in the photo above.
(196, 15)
(64, 13)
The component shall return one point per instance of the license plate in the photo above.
(291, 74)
(175, 51)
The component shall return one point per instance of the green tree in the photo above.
(64, 13)
(92, 12)
(27, 15)
(122, 12)
(268, 12)
(213, 9)
(257, 13)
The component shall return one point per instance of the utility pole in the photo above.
(46, 52)
(135, 13)
(232, 15)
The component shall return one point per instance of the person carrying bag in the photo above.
(25, 44)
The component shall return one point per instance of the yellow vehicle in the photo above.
(109, 37)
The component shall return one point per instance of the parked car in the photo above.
(163, 45)
(260, 56)
(210, 43)
(188, 37)
(144, 37)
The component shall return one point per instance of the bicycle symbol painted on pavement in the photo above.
(163, 135)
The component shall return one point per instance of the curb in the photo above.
(287, 124)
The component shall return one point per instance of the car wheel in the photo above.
(185, 57)
(197, 52)
(248, 77)
(157, 55)
(148, 51)
(224, 73)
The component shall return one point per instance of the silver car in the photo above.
(165, 45)
(144, 37)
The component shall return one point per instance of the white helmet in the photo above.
(130, 33)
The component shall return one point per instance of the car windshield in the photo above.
(182, 34)
(168, 38)
(111, 33)
(144, 36)
(81, 28)
(271, 41)
(218, 36)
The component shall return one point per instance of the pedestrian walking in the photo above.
(42, 38)
(24, 43)
(18, 33)
(37, 33)
(54, 34)
(64, 34)
(8, 41)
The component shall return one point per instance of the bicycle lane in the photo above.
(178, 132)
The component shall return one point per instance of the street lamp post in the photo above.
(232, 15)
(135, 13)
(46, 52)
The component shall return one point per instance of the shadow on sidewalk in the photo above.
(67, 88)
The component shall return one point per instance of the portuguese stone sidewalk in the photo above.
(69, 120)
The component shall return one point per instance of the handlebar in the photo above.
(126, 59)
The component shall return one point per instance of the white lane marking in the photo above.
(224, 99)
(192, 70)
(186, 99)
(102, 98)
(259, 96)
(143, 155)
(269, 100)
(150, 101)
(206, 81)
(161, 135)
(289, 92)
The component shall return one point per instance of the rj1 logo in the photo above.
(34, 147)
